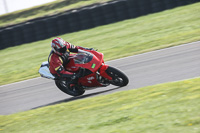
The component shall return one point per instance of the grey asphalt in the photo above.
(166, 65)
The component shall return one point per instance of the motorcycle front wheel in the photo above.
(118, 77)
(65, 87)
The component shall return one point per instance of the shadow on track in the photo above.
(76, 98)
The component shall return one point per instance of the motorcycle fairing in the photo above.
(103, 73)
(71, 66)
(89, 80)
(94, 64)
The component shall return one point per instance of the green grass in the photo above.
(48, 9)
(134, 36)
(165, 108)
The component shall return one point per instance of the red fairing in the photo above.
(95, 65)
(97, 60)
(89, 80)
(103, 73)
(71, 67)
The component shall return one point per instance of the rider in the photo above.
(58, 57)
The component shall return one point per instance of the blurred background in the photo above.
(66, 16)
(7, 6)
(117, 28)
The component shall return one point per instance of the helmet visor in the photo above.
(62, 50)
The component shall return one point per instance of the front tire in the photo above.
(118, 77)
(64, 86)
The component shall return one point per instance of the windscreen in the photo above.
(82, 58)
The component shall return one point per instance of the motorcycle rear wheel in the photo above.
(73, 90)
(119, 78)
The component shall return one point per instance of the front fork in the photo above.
(102, 71)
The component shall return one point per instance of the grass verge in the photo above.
(48, 9)
(170, 107)
(134, 36)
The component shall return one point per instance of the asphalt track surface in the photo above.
(166, 65)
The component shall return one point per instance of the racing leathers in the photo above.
(57, 62)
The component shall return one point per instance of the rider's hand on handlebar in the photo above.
(90, 49)
(93, 49)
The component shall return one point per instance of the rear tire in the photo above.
(65, 87)
(119, 78)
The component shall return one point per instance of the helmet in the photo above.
(59, 46)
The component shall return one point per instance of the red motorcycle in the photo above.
(92, 71)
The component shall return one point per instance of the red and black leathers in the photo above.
(57, 62)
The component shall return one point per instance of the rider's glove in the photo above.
(89, 48)
(93, 49)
